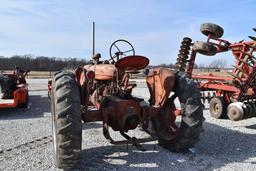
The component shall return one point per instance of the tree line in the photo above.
(40, 63)
(45, 63)
(214, 64)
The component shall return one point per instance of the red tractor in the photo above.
(14, 89)
(232, 96)
(102, 91)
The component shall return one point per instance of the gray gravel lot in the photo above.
(224, 145)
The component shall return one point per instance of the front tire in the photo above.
(192, 117)
(66, 120)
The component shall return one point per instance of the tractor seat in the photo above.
(132, 63)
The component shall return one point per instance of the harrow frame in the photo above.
(240, 87)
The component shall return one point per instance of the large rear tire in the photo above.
(192, 117)
(66, 120)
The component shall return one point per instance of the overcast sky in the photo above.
(63, 28)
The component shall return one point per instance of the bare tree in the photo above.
(201, 66)
(195, 66)
(218, 64)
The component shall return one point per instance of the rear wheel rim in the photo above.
(172, 129)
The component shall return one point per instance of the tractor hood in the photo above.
(105, 72)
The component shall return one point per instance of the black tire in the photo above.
(253, 109)
(212, 29)
(66, 118)
(247, 109)
(192, 117)
(25, 105)
(205, 48)
(218, 107)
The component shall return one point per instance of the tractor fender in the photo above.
(160, 82)
(85, 83)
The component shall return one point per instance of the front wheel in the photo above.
(66, 120)
(179, 138)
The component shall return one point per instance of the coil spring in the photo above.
(183, 53)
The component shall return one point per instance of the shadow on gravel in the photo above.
(92, 125)
(38, 106)
(218, 147)
(251, 126)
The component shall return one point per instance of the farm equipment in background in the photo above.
(14, 89)
(102, 91)
(233, 96)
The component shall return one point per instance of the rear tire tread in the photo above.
(67, 114)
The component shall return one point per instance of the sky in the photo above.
(63, 28)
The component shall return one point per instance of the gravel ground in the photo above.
(224, 145)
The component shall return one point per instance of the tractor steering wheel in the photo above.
(122, 48)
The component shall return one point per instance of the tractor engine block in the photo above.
(125, 113)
